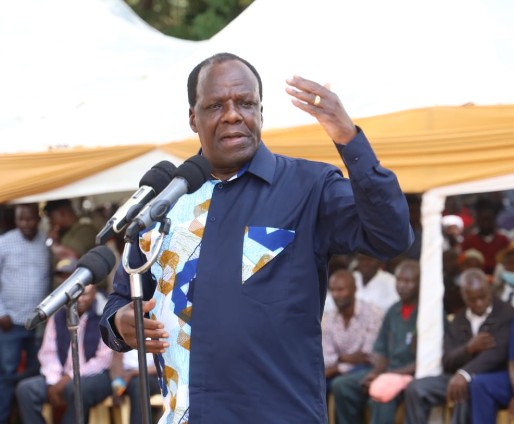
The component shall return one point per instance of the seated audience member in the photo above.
(453, 265)
(69, 235)
(493, 391)
(338, 262)
(350, 330)
(452, 226)
(471, 258)
(452, 299)
(506, 274)
(486, 238)
(55, 384)
(335, 263)
(374, 285)
(457, 205)
(393, 359)
(125, 381)
(475, 341)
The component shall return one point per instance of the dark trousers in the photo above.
(424, 393)
(32, 393)
(351, 401)
(134, 393)
(489, 393)
(12, 344)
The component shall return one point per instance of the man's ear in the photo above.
(192, 120)
(262, 117)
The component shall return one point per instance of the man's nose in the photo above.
(231, 112)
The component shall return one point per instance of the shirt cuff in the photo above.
(340, 147)
(115, 337)
(465, 374)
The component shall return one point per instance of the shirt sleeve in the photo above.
(51, 367)
(329, 350)
(380, 346)
(98, 363)
(368, 212)
(120, 296)
(375, 321)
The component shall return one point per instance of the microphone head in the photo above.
(159, 176)
(99, 261)
(195, 170)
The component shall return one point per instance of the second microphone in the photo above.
(188, 178)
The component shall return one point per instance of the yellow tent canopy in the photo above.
(427, 148)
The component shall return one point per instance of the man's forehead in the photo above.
(228, 70)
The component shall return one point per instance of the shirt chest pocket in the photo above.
(265, 262)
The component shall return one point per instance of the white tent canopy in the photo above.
(380, 57)
(85, 73)
(90, 72)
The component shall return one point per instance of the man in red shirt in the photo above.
(486, 238)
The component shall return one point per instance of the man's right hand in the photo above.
(367, 379)
(56, 391)
(125, 323)
(482, 341)
(5, 323)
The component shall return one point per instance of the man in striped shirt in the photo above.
(24, 281)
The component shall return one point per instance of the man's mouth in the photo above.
(233, 137)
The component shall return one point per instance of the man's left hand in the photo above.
(325, 106)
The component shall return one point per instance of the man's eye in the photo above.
(214, 106)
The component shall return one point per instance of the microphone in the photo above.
(93, 267)
(152, 183)
(188, 178)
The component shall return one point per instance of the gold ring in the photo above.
(316, 101)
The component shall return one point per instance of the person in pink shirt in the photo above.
(55, 384)
(350, 330)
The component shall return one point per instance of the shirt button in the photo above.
(212, 219)
(355, 159)
(220, 186)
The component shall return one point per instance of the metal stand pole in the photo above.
(137, 296)
(136, 290)
(72, 320)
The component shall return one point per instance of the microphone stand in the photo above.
(136, 291)
(72, 322)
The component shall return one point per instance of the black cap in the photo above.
(53, 205)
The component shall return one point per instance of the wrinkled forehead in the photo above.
(230, 73)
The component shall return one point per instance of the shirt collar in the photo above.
(263, 163)
(471, 316)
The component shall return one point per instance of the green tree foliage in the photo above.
(189, 19)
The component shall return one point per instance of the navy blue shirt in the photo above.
(256, 353)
